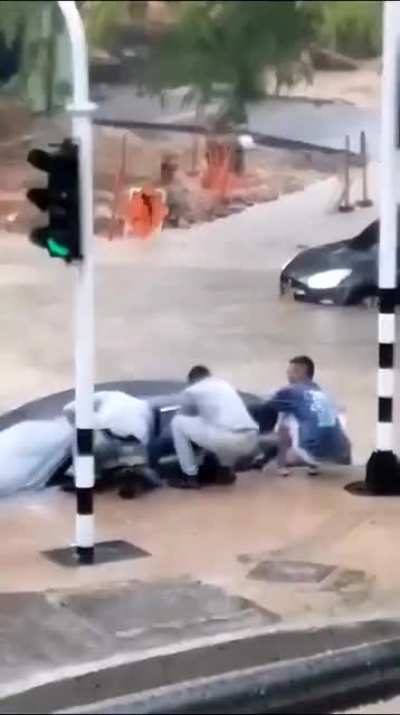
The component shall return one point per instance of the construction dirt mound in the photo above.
(126, 160)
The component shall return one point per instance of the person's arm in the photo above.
(283, 401)
(188, 404)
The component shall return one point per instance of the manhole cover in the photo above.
(291, 572)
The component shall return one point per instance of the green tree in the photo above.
(353, 27)
(230, 43)
(103, 19)
(13, 16)
(39, 26)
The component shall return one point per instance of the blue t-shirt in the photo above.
(320, 431)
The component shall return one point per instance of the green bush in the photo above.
(353, 27)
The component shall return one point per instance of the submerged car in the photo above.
(340, 273)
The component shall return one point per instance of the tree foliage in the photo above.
(211, 44)
(103, 19)
(231, 43)
(353, 27)
(14, 15)
(36, 26)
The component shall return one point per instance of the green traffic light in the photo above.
(56, 249)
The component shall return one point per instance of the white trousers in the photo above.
(228, 446)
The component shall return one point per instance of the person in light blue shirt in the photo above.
(309, 428)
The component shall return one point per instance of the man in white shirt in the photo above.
(123, 416)
(123, 428)
(213, 417)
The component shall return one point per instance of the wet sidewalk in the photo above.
(265, 556)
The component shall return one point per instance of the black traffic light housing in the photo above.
(62, 236)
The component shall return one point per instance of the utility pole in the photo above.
(81, 110)
(383, 474)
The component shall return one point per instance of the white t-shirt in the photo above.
(122, 414)
(218, 403)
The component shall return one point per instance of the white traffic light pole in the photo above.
(382, 468)
(81, 110)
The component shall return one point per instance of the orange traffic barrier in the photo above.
(218, 176)
(145, 212)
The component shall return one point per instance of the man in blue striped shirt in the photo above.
(309, 428)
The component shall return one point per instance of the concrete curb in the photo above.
(258, 137)
(252, 653)
(318, 684)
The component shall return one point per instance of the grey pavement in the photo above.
(64, 649)
(323, 124)
(127, 103)
(44, 631)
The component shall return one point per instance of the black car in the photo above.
(341, 273)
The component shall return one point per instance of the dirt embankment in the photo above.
(268, 172)
(361, 86)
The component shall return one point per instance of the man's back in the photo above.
(219, 404)
(124, 415)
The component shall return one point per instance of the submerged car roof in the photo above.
(369, 235)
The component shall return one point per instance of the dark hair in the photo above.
(198, 372)
(305, 362)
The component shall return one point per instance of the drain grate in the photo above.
(291, 572)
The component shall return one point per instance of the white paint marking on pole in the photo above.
(386, 328)
(83, 465)
(384, 435)
(385, 382)
(85, 531)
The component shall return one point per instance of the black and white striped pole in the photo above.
(81, 110)
(382, 476)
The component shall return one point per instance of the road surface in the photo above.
(323, 124)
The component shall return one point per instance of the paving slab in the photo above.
(327, 565)
(41, 632)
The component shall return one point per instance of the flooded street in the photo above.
(208, 294)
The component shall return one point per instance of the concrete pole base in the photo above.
(105, 552)
(383, 474)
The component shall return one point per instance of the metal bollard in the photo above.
(345, 206)
(365, 201)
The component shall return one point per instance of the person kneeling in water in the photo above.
(309, 429)
(123, 429)
(214, 418)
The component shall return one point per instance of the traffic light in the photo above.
(61, 237)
